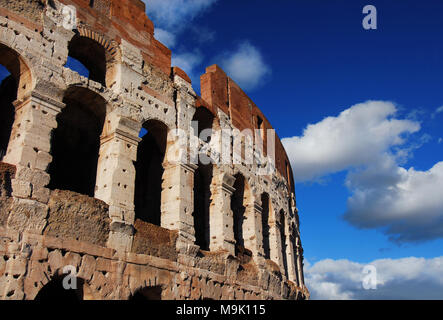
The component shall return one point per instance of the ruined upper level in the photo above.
(110, 153)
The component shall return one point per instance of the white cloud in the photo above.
(407, 278)
(245, 66)
(171, 14)
(188, 62)
(172, 17)
(436, 112)
(360, 135)
(372, 145)
(406, 204)
(165, 37)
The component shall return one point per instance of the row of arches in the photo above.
(75, 146)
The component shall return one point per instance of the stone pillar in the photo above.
(253, 231)
(177, 202)
(30, 145)
(275, 239)
(29, 150)
(291, 257)
(299, 259)
(115, 183)
(220, 214)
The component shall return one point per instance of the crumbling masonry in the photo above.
(80, 186)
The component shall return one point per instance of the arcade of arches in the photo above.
(84, 163)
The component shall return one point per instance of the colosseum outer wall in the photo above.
(86, 180)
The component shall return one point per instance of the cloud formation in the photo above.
(407, 278)
(406, 204)
(360, 135)
(372, 145)
(188, 61)
(245, 65)
(176, 14)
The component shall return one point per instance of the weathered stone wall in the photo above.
(116, 253)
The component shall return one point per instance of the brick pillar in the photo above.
(253, 230)
(115, 183)
(220, 213)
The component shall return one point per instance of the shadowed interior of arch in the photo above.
(148, 293)
(149, 172)
(265, 225)
(202, 183)
(238, 208)
(8, 94)
(54, 291)
(88, 58)
(75, 142)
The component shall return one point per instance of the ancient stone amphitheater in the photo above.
(85, 177)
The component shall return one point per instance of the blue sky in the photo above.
(360, 115)
(312, 63)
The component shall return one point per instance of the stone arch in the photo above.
(241, 202)
(54, 291)
(14, 86)
(147, 293)
(149, 168)
(202, 181)
(97, 53)
(75, 143)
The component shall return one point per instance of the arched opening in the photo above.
(202, 203)
(202, 179)
(8, 94)
(283, 240)
(265, 225)
(239, 202)
(85, 53)
(148, 293)
(54, 291)
(15, 81)
(149, 172)
(75, 143)
(205, 120)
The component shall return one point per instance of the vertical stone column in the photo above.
(178, 201)
(115, 183)
(220, 213)
(29, 150)
(291, 256)
(299, 259)
(253, 231)
(275, 239)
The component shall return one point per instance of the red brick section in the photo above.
(124, 19)
(220, 91)
(214, 88)
(179, 72)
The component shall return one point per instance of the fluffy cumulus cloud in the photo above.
(372, 144)
(358, 136)
(406, 204)
(245, 65)
(407, 278)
